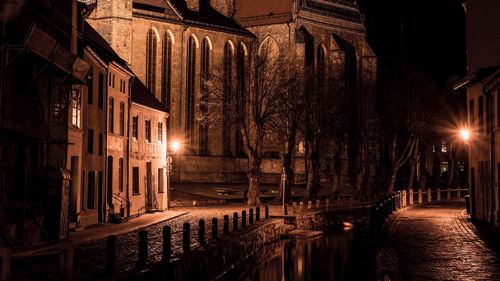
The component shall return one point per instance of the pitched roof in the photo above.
(206, 17)
(482, 75)
(142, 95)
(261, 12)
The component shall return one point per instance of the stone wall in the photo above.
(217, 257)
(320, 220)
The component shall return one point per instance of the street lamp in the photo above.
(465, 134)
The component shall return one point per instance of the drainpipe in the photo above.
(127, 186)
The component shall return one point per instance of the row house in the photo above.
(117, 137)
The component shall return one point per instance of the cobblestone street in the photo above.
(438, 242)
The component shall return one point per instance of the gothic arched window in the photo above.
(228, 91)
(240, 93)
(151, 56)
(190, 88)
(205, 76)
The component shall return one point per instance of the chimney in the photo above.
(193, 5)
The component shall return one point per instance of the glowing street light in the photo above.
(465, 134)
(175, 145)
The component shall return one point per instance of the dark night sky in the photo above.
(433, 35)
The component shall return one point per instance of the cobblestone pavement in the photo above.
(438, 242)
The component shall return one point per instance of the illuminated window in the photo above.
(159, 136)
(147, 128)
(444, 148)
(135, 124)
(76, 107)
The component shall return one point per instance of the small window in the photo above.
(135, 180)
(444, 148)
(90, 141)
(122, 119)
(147, 127)
(160, 132)
(160, 180)
(100, 101)
(111, 115)
(135, 132)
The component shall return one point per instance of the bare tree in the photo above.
(413, 106)
(251, 105)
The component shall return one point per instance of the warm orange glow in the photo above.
(175, 145)
(465, 134)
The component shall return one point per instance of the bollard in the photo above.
(67, 251)
(285, 210)
(225, 230)
(142, 248)
(420, 196)
(167, 243)
(294, 207)
(215, 228)
(201, 231)
(429, 195)
(309, 204)
(403, 201)
(301, 206)
(257, 213)
(411, 196)
(5, 256)
(448, 194)
(400, 199)
(266, 212)
(327, 203)
(243, 219)
(318, 204)
(111, 253)
(250, 216)
(438, 194)
(186, 237)
(235, 221)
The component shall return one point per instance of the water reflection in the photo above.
(323, 258)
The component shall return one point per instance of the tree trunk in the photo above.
(392, 179)
(413, 166)
(313, 168)
(254, 176)
(287, 162)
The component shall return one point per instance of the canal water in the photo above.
(331, 257)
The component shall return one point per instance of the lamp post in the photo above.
(175, 145)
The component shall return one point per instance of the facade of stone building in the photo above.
(105, 151)
(482, 87)
(148, 144)
(35, 83)
(172, 45)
